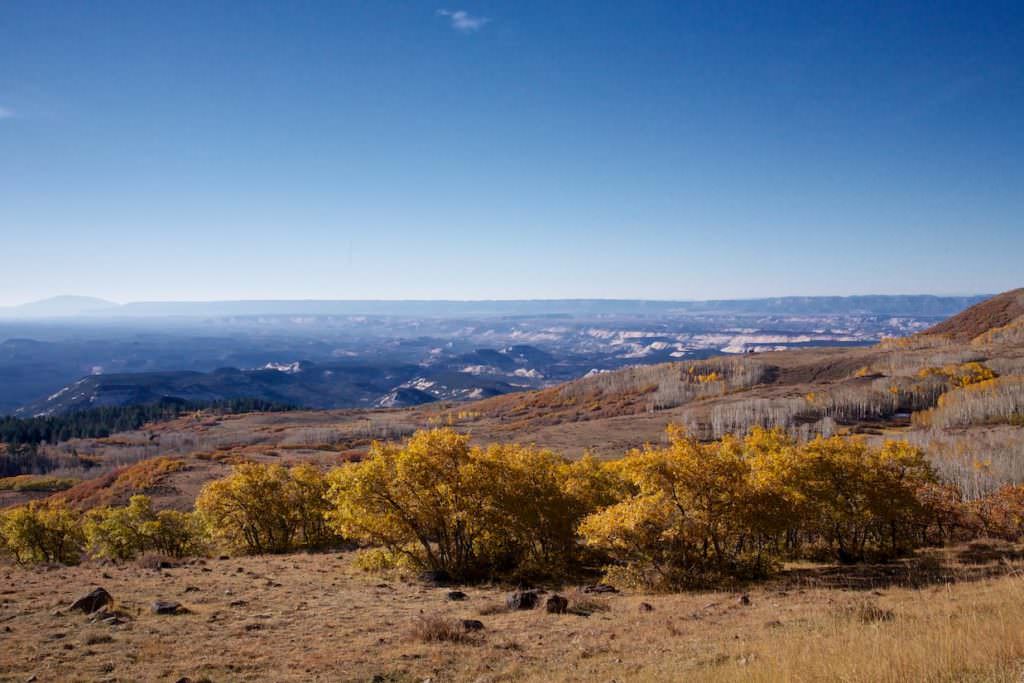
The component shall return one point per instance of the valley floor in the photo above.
(955, 614)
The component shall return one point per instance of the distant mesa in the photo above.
(59, 307)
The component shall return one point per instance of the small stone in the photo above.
(556, 604)
(744, 600)
(472, 625)
(92, 602)
(522, 600)
(646, 607)
(109, 617)
(168, 607)
(456, 595)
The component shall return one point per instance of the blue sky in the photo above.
(219, 150)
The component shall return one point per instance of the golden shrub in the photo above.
(472, 512)
(41, 532)
(701, 512)
(124, 533)
(267, 508)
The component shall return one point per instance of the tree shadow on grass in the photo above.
(975, 561)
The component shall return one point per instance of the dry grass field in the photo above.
(950, 615)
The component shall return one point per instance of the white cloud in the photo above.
(6, 113)
(464, 21)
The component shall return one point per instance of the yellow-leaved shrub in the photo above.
(262, 508)
(124, 533)
(42, 532)
(703, 512)
(443, 505)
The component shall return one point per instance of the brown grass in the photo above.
(317, 617)
(439, 629)
(992, 313)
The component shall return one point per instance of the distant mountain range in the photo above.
(59, 307)
(69, 353)
(895, 305)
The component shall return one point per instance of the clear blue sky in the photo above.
(216, 150)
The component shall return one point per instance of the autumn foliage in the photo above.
(267, 509)
(438, 503)
(124, 533)
(685, 514)
(701, 512)
(42, 533)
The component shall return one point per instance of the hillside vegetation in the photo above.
(995, 313)
(821, 547)
(689, 514)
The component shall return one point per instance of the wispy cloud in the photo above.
(463, 21)
(6, 113)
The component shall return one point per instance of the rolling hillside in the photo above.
(999, 311)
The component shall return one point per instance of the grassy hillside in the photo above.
(999, 311)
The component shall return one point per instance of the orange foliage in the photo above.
(117, 486)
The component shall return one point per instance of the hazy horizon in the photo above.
(58, 297)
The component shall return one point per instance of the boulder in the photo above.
(556, 604)
(600, 588)
(522, 600)
(456, 595)
(646, 607)
(92, 602)
(472, 625)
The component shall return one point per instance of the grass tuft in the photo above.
(438, 629)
